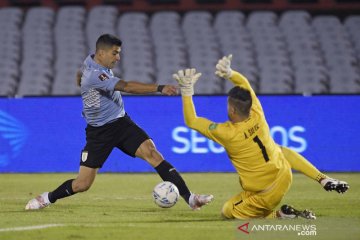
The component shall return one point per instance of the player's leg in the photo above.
(299, 163)
(276, 194)
(167, 172)
(136, 143)
(259, 204)
(302, 165)
(289, 212)
(82, 183)
(148, 152)
(97, 149)
(245, 205)
(231, 208)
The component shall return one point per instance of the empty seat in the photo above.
(169, 46)
(10, 49)
(37, 52)
(137, 51)
(100, 20)
(339, 54)
(203, 48)
(291, 52)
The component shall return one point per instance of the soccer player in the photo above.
(109, 126)
(264, 168)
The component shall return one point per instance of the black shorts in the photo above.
(100, 141)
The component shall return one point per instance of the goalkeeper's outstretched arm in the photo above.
(191, 119)
(223, 69)
(186, 79)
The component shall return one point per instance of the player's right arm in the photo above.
(224, 70)
(78, 77)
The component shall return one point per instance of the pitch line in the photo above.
(27, 228)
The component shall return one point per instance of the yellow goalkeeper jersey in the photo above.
(256, 157)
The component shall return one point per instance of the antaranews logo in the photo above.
(244, 228)
(298, 229)
(13, 135)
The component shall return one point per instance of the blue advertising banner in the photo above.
(47, 134)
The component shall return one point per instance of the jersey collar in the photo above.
(89, 61)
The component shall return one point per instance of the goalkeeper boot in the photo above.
(196, 201)
(39, 202)
(330, 184)
(287, 211)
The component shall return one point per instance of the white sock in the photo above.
(45, 196)
(191, 199)
(325, 181)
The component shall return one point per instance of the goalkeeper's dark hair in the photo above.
(240, 99)
(107, 41)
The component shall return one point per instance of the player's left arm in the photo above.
(143, 88)
(204, 126)
(186, 79)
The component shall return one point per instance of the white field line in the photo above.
(27, 228)
(131, 225)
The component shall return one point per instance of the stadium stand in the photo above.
(137, 53)
(236, 41)
(309, 71)
(169, 45)
(202, 48)
(71, 48)
(37, 52)
(275, 74)
(339, 54)
(41, 48)
(352, 24)
(10, 49)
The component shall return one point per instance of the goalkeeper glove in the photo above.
(223, 69)
(187, 79)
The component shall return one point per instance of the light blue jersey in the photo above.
(101, 103)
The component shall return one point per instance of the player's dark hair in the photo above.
(106, 41)
(240, 98)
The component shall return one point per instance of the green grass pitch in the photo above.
(120, 206)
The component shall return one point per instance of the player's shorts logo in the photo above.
(84, 156)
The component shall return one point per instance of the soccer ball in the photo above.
(165, 194)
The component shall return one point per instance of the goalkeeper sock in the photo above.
(300, 164)
(64, 190)
(168, 173)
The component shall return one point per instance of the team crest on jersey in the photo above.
(103, 77)
(84, 156)
(212, 126)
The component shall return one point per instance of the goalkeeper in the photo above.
(264, 167)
